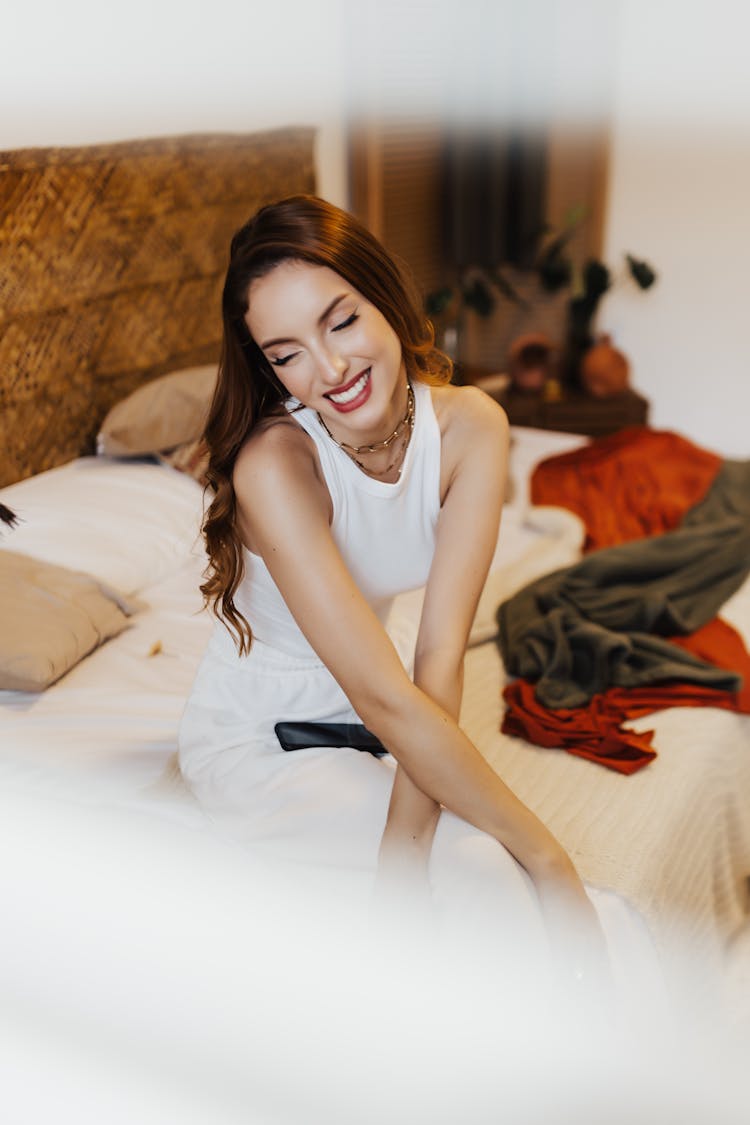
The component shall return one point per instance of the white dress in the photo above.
(326, 808)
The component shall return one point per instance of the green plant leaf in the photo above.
(575, 215)
(641, 272)
(508, 290)
(437, 302)
(596, 279)
(554, 271)
(477, 295)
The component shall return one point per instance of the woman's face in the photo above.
(330, 348)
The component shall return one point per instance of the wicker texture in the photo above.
(112, 259)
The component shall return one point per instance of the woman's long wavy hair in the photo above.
(307, 229)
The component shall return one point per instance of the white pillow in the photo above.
(528, 447)
(127, 523)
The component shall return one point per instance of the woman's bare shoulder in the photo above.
(464, 411)
(277, 460)
(275, 443)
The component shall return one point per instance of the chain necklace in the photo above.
(355, 451)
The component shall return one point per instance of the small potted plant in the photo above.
(478, 288)
(556, 269)
(475, 288)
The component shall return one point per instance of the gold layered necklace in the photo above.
(403, 431)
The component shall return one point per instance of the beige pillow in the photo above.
(51, 618)
(160, 415)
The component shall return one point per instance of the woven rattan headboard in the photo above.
(111, 264)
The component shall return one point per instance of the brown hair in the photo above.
(302, 228)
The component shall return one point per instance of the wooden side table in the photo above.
(575, 412)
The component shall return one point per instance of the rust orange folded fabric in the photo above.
(634, 483)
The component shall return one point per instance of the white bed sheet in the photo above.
(674, 839)
(129, 524)
(106, 732)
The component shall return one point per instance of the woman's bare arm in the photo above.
(474, 464)
(284, 509)
(474, 457)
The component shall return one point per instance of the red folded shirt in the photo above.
(596, 731)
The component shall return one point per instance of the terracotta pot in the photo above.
(605, 371)
(530, 362)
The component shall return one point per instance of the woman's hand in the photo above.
(578, 946)
(403, 858)
(402, 887)
(402, 872)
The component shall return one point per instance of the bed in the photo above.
(93, 727)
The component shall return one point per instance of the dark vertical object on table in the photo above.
(581, 310)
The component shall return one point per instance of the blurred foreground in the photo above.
(151, 973)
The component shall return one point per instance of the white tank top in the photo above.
(385, 532)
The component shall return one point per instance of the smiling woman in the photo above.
(329, 362)
(347, 470)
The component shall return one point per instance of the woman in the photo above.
(346, 470)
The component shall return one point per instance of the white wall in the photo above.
(81, 72)
(78, 71)
(680, 196)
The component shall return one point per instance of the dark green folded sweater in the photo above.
(602, 622)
